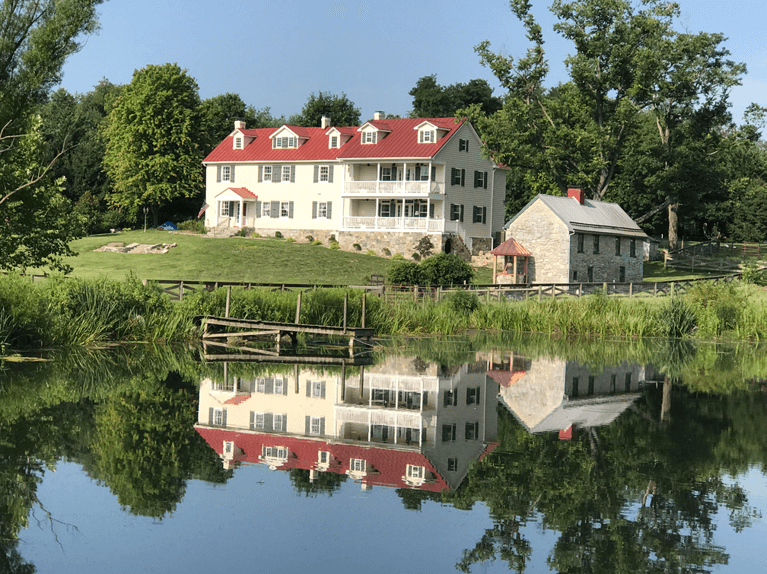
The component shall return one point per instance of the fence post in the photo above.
(346, 308)
(298, 308)
(415, 293)
(181, 291)
(631, 289)
(655, 290)
(671, 289)
(580, 290)
(540, 293)
(228, 300)
(604, 287)
(364, 305)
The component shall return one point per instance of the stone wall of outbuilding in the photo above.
(607, 263)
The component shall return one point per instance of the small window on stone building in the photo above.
(621, 274)
(596, 244)
(575, 275)
(575, 387)
(617, 245)
(633, 248)
(590, 273)
(580, 242)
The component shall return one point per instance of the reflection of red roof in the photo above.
(236, 400)
(509, 248)
(243, 192)
(389, 464)
(506, 378)
(488, 449)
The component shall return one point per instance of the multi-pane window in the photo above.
(267, 173)
(285, 173)
(259, 420)
(317, 389)
(450, 398)
(368, 137)
(224, 209)
(226, 173)
(472, 431)
(415, 471)
(452, 464)
(218, 417)
(596, 244)
(448, 433)
(228, 447)
(324, 173)
(322, 457)
(285, 209)
(385, 209)
(358, 465)
(385, 174)
(472, 396)
(427, 136)
(278, 386)
(238, 143)
(279, 452)
(315, 425)
(278, 423)
(322, 209)
(334, 142)
(285, 142)
(266, 209)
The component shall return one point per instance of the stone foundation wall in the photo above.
(481, 244)
(404, 243)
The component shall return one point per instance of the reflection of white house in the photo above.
(387, 183)
(402, 423)
(553, 395)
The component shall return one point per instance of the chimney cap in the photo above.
(379, 115)
(325, 121)
(239, 125)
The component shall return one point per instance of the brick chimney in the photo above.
(238, 125)
(379, 116)
(577, 194)
(325, 122)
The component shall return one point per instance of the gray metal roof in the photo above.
(596, 217)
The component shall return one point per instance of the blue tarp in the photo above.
(168, 226)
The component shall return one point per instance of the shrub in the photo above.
(278, 235)
(290, 240)
(397, 257)
(357, 247)
(424, 247)
(310, 239)
(334, 245)
(242, 232)
(416, 257)
(406, 273)
(386, 252)
(316, 242)
(463, 302)
(256, 234)
(196, 225)
(370, 252)
(754, 275)
(446, 269)
(677, 318)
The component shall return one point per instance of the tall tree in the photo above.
(627, 60)
(217, 116)
(36, 37)
(430, 100)
(340, 109)
(153, 151)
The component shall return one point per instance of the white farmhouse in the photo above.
(385, 184)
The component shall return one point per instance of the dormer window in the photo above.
(284, 142)
(334, 142)
(426, 136)
(238, 143)
(368, 137)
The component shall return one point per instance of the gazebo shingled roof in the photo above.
(509, 248)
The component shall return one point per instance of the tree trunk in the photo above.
(673, 226)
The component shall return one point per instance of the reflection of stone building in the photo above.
(403, 423)
(547, 395)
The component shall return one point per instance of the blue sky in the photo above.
(275, 53)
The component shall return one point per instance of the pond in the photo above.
(479, 454)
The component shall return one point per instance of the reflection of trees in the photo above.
(637, 496)
(323, 483)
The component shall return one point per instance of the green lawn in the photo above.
(197, 258)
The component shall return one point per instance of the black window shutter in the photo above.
(322, 426)
(308, 425)
(210, 416)
(484, 215)
(461, 217)
(269, 421)
(418, 173)
(431, 211)
(433, 173)
(218, 174)
(258, 209)
(452, 176)
(252, 420)
(463, 178)
(476, 178)
(467, 145)
(330, 209)
(322, 390)
(485, 180)
(308, 389)
(223, 423)
(314, 210)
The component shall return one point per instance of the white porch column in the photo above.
(428, 181)
(404, 176)
(241, 217)
(378, 178)
(376, 217)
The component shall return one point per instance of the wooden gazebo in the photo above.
(510, 250)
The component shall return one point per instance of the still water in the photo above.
(471, 455)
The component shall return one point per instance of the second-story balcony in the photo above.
(393, 187)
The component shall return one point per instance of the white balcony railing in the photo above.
(392, 187)
(394, 223)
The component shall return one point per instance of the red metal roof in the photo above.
(401, 142)
(236, 400)
(509, 248)
(389, 465)
(243, 192)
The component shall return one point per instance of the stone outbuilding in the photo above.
(575, 240)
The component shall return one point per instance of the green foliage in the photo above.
(316, 242)
(153, 151)
(357, 247)
(370, 252)
(310, 238)
(386, 252)
(278, 235)
(406, 273)
(241, 233)
(677, 318)
(430, 100)
(219, 113)
(463, 302)
(334, 245)
(290, 240)
(397, 257)
(340, 109)
(324, 482)
(753, 274)
(717, 306)
(424, 247)
(446, 269)
(196, 225)
(416, 257)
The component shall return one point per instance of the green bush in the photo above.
(463, 302)
(316, 242)
(310, 239)
(386, 252)
(406, 273)
(416, 257)
(397, 257)
(753, 275)
(370, 252)
(290, 240)
(334, 245)
(677, 318)
(242, 233)
(446, 269)
(196, 225)
(278, 235)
